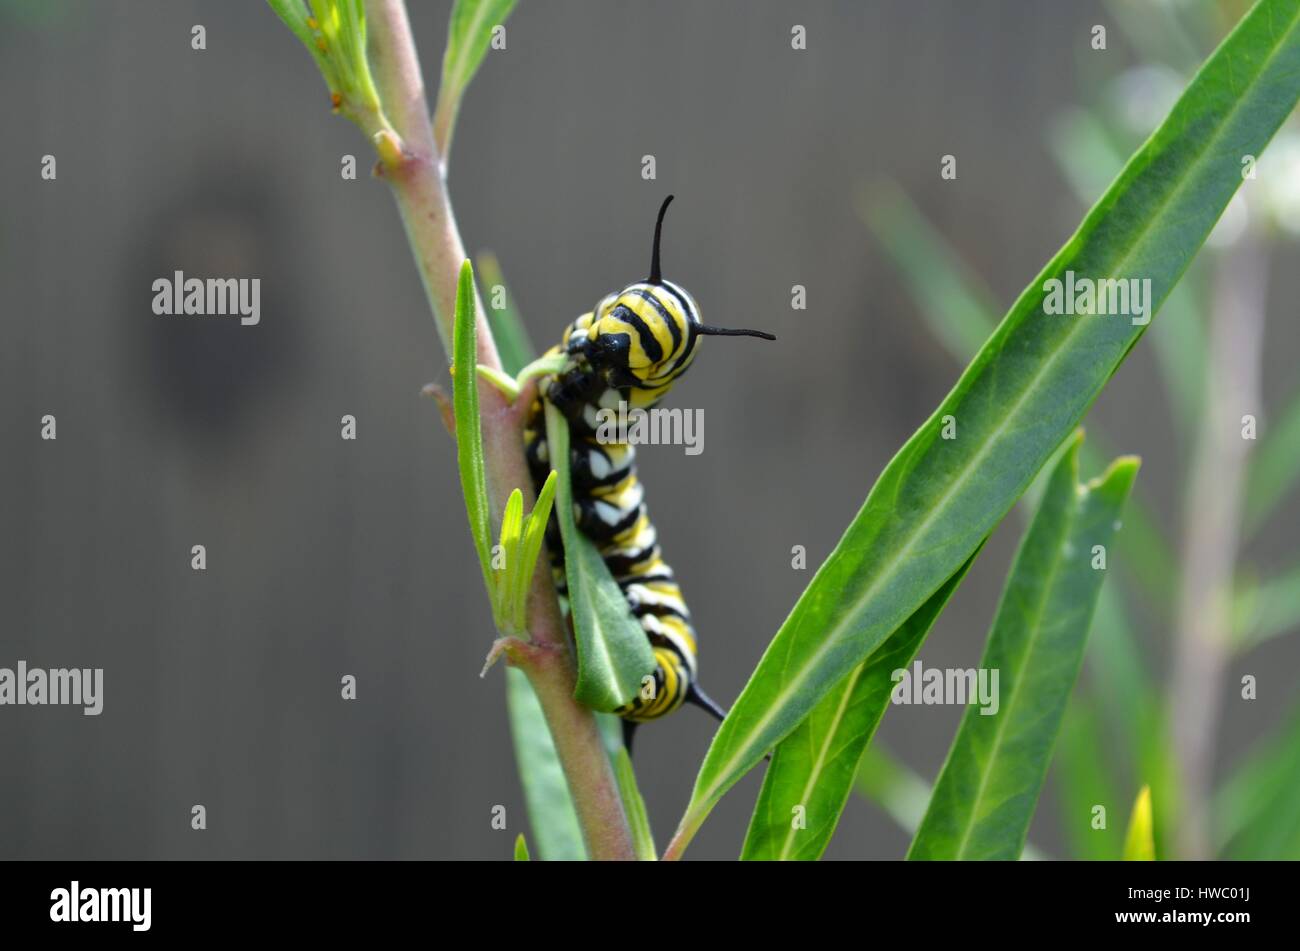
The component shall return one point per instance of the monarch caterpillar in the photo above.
(630, 348)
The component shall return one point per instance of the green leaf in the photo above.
(294, 14)
(469, 35)
(613, 652)
(1275, 468)
(505, 579)
(521, 849)
(557, 835)
(1266, 609)
(898, 789)
(530, 548)
(1084, 781)
(513, 344)
(1020, 398)
(1133, 710)
(988, 789)
(1090, 157)
(1139, 842)
(1182, 353)
(1166, 32)
(957, 308)
(469, 434)
(814, 767)
(334, 32)
(637, 819)
(1257, 812)
(1085, 152)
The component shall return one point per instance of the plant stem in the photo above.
(1212, 531)
(421, 195)
(686, 830)
(417, 182)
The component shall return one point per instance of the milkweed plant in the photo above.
(1009, 431)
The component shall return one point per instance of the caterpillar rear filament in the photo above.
(630, 348)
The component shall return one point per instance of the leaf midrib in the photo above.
(479, 16)
(781, 698)
(815, 772)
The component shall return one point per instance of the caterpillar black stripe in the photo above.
(630, 348)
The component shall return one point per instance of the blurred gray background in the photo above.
(328, 557)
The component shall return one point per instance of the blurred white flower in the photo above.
(1277, 181)
(1141, 97)
(1231, 225)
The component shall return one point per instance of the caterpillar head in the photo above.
(646, 335)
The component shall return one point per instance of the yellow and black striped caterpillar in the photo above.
(631, 348)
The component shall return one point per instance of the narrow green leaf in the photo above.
(637, 819)
(514, 347)
(1139, 842)
(530, 548)
(469, 35)
(611, 734)
(556, 834)
(1084, 781)
(521, 849)
(988, 789)
(1169, 33)
(1265, 609)
(334, 33)
(1090, 157)
(1181, 350)
(897, 789)
(1257, 812)
(1020, 398)
(1133, 707)
(469, 434)
(812, 771)
(957, 308)
(959, 311)
(1148, 559)
(894, 786)
(1085, 151)
(505, 579)
(294, 14)
(1275, 468)
(512, 520)
(613, 652)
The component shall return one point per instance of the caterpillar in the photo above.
(631, 348)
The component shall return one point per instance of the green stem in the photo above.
(421, 194)
(686, 830)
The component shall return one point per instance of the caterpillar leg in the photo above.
(700, 699)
